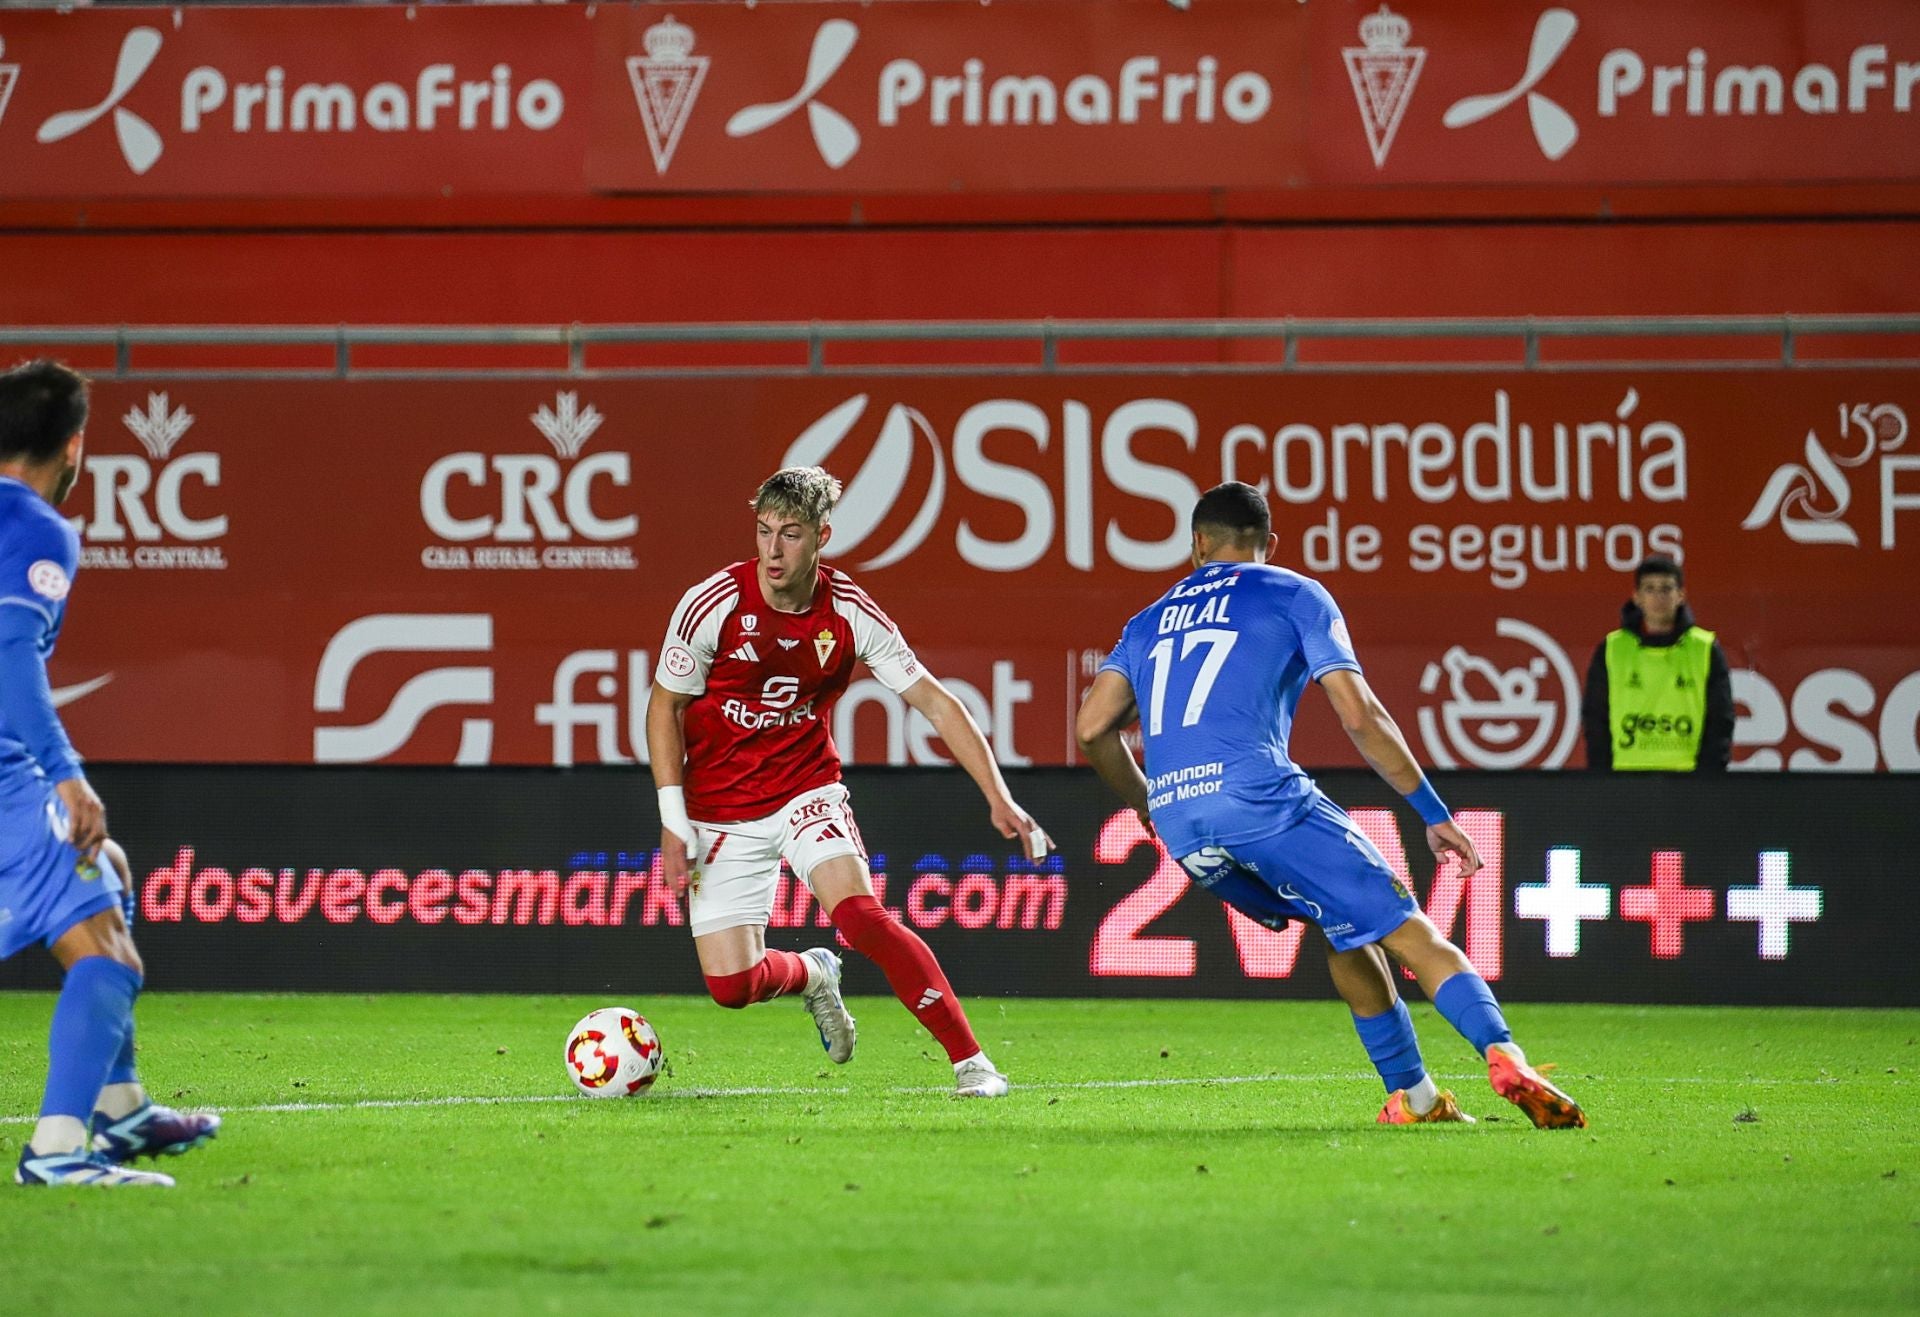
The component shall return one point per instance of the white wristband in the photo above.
(673, 813)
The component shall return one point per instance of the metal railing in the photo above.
(1241, 345)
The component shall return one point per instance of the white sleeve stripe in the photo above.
(696, 618)
(844, 585)
(34, 604)
(694, 593)
(707, 590)
(860, 599)
(705, 631)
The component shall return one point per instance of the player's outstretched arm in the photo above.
(1377, 737)
(667, 749)
(970, 750)
(1108, 708)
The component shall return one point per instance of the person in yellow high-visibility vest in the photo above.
(1659, 696)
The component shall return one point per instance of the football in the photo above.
(614, 1052)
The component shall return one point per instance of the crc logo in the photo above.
(817, 810)
(894, 474)
(516, 500)
(144, 500)
(140, 145)
(1501, 718)
(1810, 501)
(426, 633)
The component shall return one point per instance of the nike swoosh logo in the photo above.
(68, 694)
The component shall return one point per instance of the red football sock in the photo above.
(780, 973)
(912, 972)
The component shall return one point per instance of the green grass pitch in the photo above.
(1177, 1157)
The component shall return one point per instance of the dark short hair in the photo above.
(1658, 565)
(43, 404)
(1236, 510)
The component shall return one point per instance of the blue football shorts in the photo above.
(1321, 869)
(46, 886)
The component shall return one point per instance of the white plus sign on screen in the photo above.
(1776, 904)
(1563, 901)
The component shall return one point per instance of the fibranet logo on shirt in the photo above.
(532, 511)
(154, 510)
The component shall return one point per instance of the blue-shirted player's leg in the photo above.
(1364, 978)
(122, 1093)
(90, 1025)
(1324, 866)
(126, 1122)
(1361, 975)
(72, 904)
(1468, 1004)
(1327, 864)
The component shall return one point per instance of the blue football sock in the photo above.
(1468, 1005)
(122, 1071)
(92, 1022)
(1392, 1046)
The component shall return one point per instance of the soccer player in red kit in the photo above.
(754, 659)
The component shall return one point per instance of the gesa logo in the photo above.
(518, 500)
(1633, 726)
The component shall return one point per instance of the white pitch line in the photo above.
(801, 1090)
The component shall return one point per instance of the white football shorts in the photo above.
(736, 866)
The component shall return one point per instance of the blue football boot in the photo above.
(152, 1131)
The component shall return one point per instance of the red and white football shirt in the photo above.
(765, 684)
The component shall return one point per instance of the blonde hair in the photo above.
(805, 493)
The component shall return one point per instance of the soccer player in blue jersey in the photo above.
(1214, 671)
(62, 882)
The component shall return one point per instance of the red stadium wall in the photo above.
(1358, 189)
(1667, 268)
(441, 570)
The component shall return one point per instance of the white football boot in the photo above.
(975, 1077)
(824, 1002)
(83, 1168)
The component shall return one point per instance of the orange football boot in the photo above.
(1524, 1086)
(1397, 1112)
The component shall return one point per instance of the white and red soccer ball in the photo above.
(614, 1052)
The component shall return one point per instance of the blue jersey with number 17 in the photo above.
(1217, 667)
